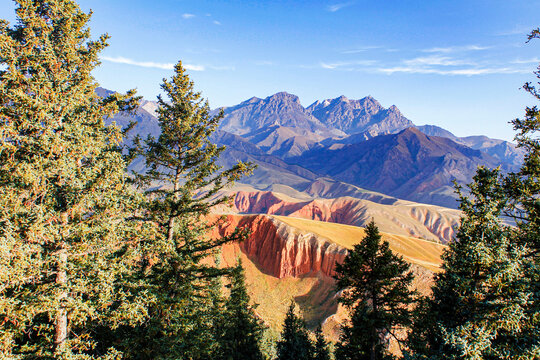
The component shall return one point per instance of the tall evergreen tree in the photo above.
(376, 286)
(241, 329)
(295, 343)
(62, 183)
(180, 184)
(321, 351)
(480, 303)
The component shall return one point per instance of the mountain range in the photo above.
(352, 143)
(323, 172)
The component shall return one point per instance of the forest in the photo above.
(98, 262)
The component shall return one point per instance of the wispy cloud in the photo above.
(464, 72)
(517, 30)
(347, 65)
(149, 64)
(339, 6)
(526, 61)
(264, 63)
(216, 22)
(436, 60)
(188, 16)
(451, 49)
(361, 49)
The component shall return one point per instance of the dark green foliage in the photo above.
(241, 329)
(480, 300)
(180, 183)
(376, 286)
(321, 346)
(63, 195)
(295, 343)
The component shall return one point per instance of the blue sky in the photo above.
(457, 64)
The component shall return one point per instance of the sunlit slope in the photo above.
(313, 293)
(416, 251)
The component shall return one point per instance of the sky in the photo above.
(457, 64)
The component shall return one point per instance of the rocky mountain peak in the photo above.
(283, 97)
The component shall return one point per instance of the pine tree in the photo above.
(63, 193)
(376, 286)
(295, 343)
(321, 346)
(180, 185)
(242, 329)
(480, 300)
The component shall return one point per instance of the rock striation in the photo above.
(280, 251)
(400, 217)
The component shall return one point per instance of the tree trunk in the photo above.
(170, 232)
(61, 325)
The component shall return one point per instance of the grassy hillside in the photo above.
(315, 293)
(416, 251)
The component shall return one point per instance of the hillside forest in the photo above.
(109, 241)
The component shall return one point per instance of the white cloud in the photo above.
(526, 61)
(216, 22)
(337, 7)
(188, 16)
(347, 65)
(361, 49)
(264, 63)
(436, 60)
(451, 49)
(517, 30)
(463, 72)
(149, 64)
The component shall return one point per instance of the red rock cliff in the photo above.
(280, 251)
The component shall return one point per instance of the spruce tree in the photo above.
(241, 329)
(180, 184)
(480, 303)
(321, 351)
(295, 343)
(376, 285)
(63, 193)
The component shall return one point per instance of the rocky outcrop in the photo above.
(359, 116)
(403, 218)
(280, 251)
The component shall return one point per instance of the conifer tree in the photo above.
(180, 184)
(376, 285)
(295, 343)
(242, 330)
(321, 351)
(63, 193)
(480, 303)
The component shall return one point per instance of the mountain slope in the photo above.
(280, 109)
(408, 165)
(359, 116)
(502, 150)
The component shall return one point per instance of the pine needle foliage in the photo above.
(321, 352)
(63, 193)
(376, 289)
(480, 303)
(242, 330)
(295, 343)
(181, 184)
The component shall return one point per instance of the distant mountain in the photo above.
(281, 109)
(293, 148)
(284, 141)
(270, 169)
(366, 115)
(409, 165)
(502, 150)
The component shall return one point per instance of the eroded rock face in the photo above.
(403, 218)
(280, 251)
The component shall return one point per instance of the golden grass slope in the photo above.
(416, 251)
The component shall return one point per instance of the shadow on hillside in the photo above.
(320, 302)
